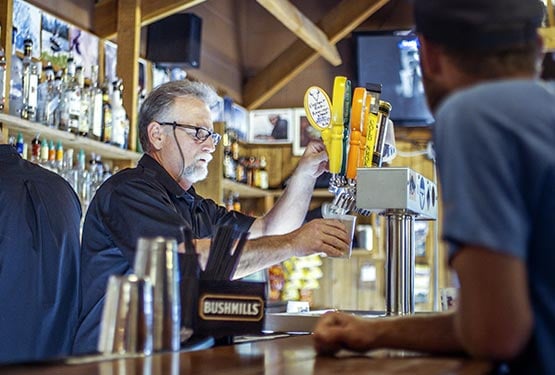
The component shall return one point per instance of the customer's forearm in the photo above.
(433, 333)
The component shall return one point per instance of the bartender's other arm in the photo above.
(493, 319)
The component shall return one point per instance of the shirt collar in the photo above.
(155, 169)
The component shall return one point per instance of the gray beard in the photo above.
(194, 172)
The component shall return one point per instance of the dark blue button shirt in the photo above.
(39, 261)
(138, 202)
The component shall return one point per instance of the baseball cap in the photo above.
(479, 24)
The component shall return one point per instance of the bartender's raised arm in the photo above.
(290, 210)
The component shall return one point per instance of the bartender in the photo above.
(157, 198)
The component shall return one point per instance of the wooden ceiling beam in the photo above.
(105, 21)
(336, 24)
(303, 27)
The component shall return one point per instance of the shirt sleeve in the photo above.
(482, 203)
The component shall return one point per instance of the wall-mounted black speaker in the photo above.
(175, 41)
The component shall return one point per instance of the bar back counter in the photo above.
(289, 355)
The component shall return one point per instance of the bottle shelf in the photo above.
(69, 140)
(246, 191)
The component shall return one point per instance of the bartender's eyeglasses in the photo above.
(201, 134)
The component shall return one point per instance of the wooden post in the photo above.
(129, 37)
(6, 14)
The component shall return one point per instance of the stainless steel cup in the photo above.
(126, 326)
(156, 259)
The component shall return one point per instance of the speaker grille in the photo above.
(175, 41)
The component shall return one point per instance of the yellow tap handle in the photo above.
(372, 123)
(335, 152)
(364, 130)
(357, 119)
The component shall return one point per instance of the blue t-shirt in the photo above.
(138, 202)
(39, 261)
(495, 146)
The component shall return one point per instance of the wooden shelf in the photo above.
(69, 140)
(246, 191)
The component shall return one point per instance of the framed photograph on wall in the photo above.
(303, 132)
(27, 21)
(271, 126)
(83, 46)
(239, 121)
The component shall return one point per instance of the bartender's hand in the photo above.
(335, 331)
(328, 236)
(314, 161)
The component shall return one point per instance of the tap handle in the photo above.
(357, 120)
(335, 152)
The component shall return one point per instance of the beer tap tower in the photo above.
(361, 185)
(401, 195)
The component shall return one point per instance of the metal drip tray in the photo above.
(306, 321)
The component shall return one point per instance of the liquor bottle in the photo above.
(83, 180)
(16, 74)
(263, 177)
(35, 149)
(84, 115)
(229, 163)
(2, 79)
(44, 151)
(30, 83)
(20, 144)
(71, 100)
(59, 157)
(52, 155)
(48, 98)
(68, 172)
(96, 172)
(106, 112)
(95, 106)
(120, 124)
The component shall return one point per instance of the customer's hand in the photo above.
(335, 331)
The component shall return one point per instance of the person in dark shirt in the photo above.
(157, 198)
(280, 127)
(39, 260)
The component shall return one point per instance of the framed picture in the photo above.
(239, 121)
(110, 60)
(84, 48)
(271, 126)
(27, 21)
(55, 40)
(303, 132)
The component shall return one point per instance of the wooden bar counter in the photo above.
(291, 355)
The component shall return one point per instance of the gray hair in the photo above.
(158, 103)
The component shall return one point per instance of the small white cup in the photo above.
(350, 223)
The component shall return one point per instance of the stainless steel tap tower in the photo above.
(401, 195)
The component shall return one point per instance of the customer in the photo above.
(39, 260)
(157, 198)
(495, 143)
